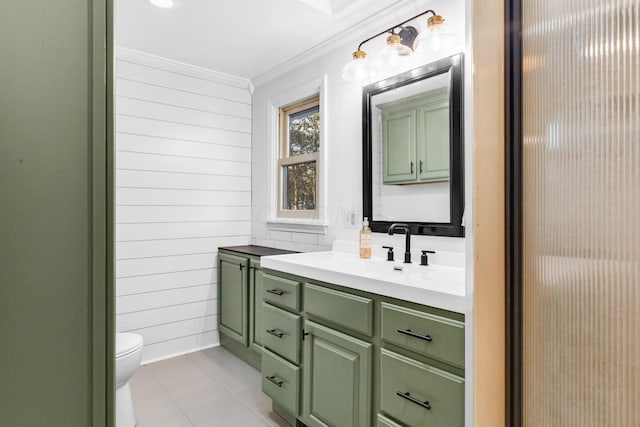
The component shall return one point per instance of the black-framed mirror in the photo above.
(413, 150)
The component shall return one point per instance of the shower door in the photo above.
(579, 286)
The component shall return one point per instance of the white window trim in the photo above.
(284, 159)
(319, 225)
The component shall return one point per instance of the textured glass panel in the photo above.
(304, 131)
(299, 182)
(581, 213)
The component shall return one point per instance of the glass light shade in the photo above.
(359, 69)
(162, 3)
(395, 47)
(394, 52)
(435, 38)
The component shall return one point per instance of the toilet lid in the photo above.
(126, 343)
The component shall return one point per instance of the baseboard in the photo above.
(180, 353)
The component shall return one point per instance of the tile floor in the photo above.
(207, 388)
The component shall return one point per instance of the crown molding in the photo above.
(166, 64)
(364, 28)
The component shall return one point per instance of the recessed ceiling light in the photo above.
(162, 3)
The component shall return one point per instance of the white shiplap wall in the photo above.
(183, 188)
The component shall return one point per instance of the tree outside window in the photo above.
(298, 160)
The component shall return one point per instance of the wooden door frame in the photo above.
(513, 211)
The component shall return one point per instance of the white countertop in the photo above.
(436, 286)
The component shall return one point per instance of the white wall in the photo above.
(343, 150)
(183, 188)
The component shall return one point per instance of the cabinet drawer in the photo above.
(419, 395)
(282, 292)
(349, 311)
(281, 381)
(424, 333)
(281, 332)
(386, 422)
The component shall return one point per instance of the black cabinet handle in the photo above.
(276, 292)
(411, 167)
(425, 404)
(275, 380)
(421, 166)
(241, 266)
(276, 333)
(413, 334)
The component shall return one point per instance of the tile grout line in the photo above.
(268, 421)
(171, 396)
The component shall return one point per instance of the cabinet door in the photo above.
(399, 145)
(337, 378)
(433, 142)
(233, 297)
(255, 305)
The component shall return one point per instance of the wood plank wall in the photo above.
(183, 188)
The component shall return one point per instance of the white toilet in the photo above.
(128, 356)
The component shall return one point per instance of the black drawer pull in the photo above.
(425, 404)
(275, 380)
(276, 292)
(413, 334)
(276, 333)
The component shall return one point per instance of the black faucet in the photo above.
(407, 232)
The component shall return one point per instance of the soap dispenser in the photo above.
(365, 239)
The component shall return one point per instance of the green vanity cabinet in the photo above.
(233, 297)
(433, 142)
(241, 285)
(339, 357)
(415, 139)
(337, 378)
(399, 147)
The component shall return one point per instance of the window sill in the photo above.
(298, 225)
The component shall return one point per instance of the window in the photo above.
(298, 159)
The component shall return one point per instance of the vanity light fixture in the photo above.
(401, 44)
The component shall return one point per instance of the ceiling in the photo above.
(245, 38)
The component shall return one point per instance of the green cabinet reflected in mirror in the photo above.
(415, 139)
(413, 149)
